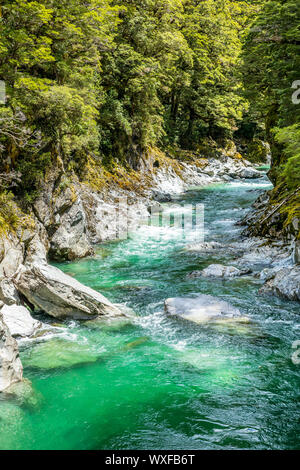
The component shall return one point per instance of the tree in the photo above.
(210, 101)
(272, 64)
(50, 59)
(138, 73)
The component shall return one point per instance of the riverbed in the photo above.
(156, 382)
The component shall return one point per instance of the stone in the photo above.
(61, 296)
(60, 210)
(8, 293)
(37, 249)
(11, 370)
(19, 321)
(203, 308)
(296, 252)
(59, 353)
(218, 270)
(11, 256)
(70, 240)
(285, 284)
(264, 255)
(161, 197)
(267, 274)
(206, 247)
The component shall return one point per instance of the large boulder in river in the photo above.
(218, 271)
(61, 296)
(11, 370)
(19, 321)
(250, 173)
(285, 284)
(203, 308)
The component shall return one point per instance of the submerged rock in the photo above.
(285, 284)
(103, 323)
(61, 296)
(203, 308)
(11, 255)
(24, 394)
(19, 321)
(11, 370)
(59, 353)
(219, 270)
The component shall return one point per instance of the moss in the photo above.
(291, 211)
(291, 172)
(11, 217)
(99, 178)
(9, 213)
(94, 175)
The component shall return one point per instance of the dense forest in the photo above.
(108, 80)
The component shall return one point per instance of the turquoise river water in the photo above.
(158, 382)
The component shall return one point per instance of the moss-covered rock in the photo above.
(258, 151)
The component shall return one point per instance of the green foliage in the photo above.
(136, 73)
(33, 169)
(210, 102)
(292, 172)
(289, 138)
(173, 76)
(271, 66)
(50, 53)
(272, 61)
(257, 151)
(9, 218)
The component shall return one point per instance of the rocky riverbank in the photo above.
(275, 216)
(271, 261)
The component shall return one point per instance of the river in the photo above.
(158, 382)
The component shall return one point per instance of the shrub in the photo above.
(9, 217)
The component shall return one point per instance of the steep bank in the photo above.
(78, 213)
(275, 216)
